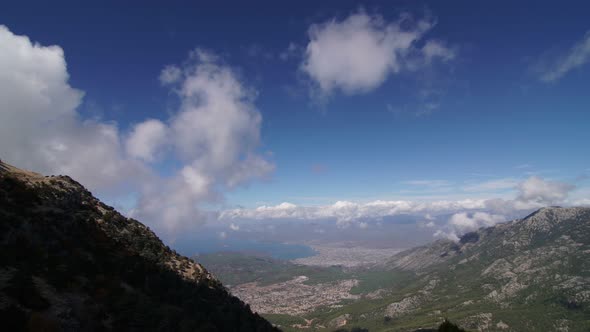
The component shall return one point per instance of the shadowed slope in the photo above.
(69, 262)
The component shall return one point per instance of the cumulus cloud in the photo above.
(464, 222)
(577, 56)
(538, 190)
(215, 133)
(532, 193)
(357, 54)
(213, 137)
(146, 138)
(40, 128)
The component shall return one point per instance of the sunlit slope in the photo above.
(523, 275)
(529, 274)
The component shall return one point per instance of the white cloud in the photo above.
(532, 193)
(447, 235)
(40, 128)
(463, 222)
(234, 227)
(215, 133)
(576, 57)
(146, 138)
(538, 190)
(213, 136)
(357, 54)
(466, 223)
(345, 212)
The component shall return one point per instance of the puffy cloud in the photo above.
(217, 127)
(538, 190)
(357, 54)
(172, 204)
(576, 57)
(466, 223)
(234, 227)
(213, 137)
(40, 128)
(463, 222)
(215, 133)
(146, 138)
(532, 193)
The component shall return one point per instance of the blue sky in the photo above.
(473, 122)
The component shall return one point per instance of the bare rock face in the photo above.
(69, 262)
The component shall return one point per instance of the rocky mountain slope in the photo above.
(530, 274)
(68, 262)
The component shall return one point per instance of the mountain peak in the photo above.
(547, 217)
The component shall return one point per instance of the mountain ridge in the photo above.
(522, 265)
(70, 262)
(441, 250)
(525, 274)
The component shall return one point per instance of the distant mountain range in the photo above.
(68, 262)
(529, 274)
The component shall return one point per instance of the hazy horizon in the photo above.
(381, 124)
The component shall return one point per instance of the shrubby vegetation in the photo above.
(66, 265)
